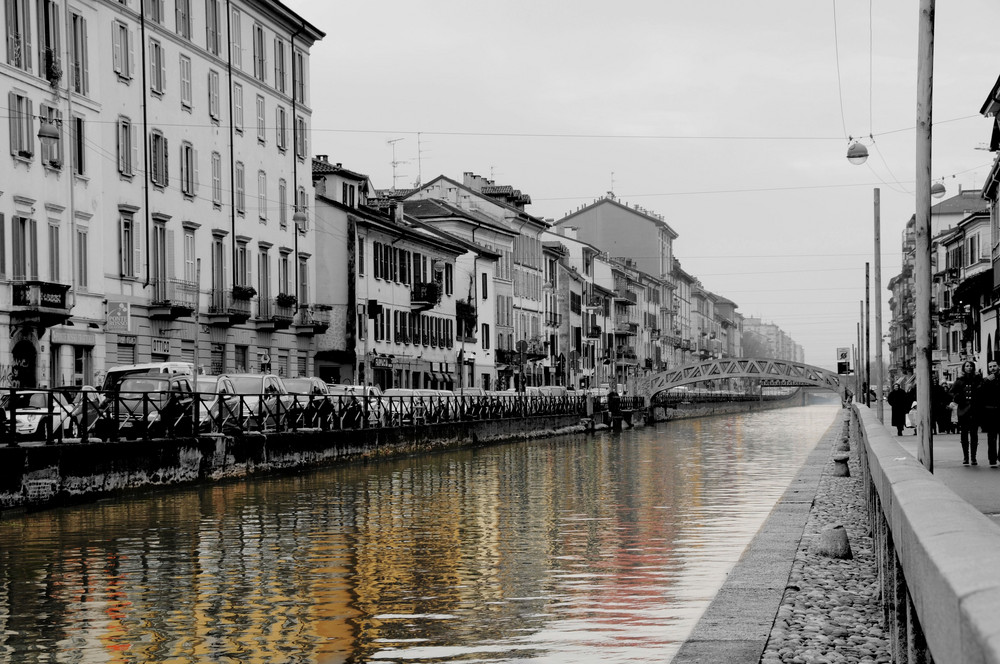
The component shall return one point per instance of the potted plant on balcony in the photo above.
(243, 292)
(286, 300)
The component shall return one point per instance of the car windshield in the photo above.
(134, 388)
(24, 400)
(247, 384)
(298, 385)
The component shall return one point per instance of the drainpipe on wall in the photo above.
(145, 133)
(295, 167)
(232, 141)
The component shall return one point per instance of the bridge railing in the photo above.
(937, 555)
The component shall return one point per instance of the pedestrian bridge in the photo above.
(782, 372)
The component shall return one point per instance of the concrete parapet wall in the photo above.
(50, 475)
(938, 554)
(684, 411)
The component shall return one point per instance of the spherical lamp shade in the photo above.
(48, 133)
(857, 154)
(937, 190)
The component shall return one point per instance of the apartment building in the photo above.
(157, 188)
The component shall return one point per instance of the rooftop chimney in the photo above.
(323, 158)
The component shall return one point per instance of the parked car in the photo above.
(37, 411)
(115, 375)
(219, 407)
(264, 400)
(369, 398)
(154, 405)
(312, 396)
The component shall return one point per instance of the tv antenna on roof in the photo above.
(395, 162)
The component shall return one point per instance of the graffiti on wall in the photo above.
(10, 374)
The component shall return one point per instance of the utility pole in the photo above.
(922, 263)
(878, 305)
(868, 349)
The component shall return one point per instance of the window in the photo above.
(186, 101)
(213, 94)
(302, 205)
(241, 202)
(129, 246)
(190, 257)
(243, 276)
(122, 50)
(158, 159)
(189, 169)
(81, 258)
(78, 141)
(303, 281)
(281, 128)
(236, 38)
(485, 336)
(182, 14)
(18, 34)
(238, 107)
(279, 64)
(262, 195)
(284, 273)
(217, 179)
(283, 203)
(361, 257)
(300, 137)
(485, 291)
(449, 278)
(299, 77)
(259, 56)
(25, 248)
(154, 10)
(54, 253)
(49, 48)
(80, 80)
(212, 26)
(128, 150)
(22, 125)
(261, 136)
(157, 68)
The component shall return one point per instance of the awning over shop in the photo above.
(970, 290)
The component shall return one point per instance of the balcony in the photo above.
(553, 320)
(506, 356)
(40, 303)
(626, 297)
(626, 355)
(654, 334)
(228, 307)
(594, 303)
(275, 314)
(313, 320)
(594, 332)
(424, 296)
(173, 298)
(627, 328)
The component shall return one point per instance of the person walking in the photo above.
(899, 402)
(964, 393)
(989, 409)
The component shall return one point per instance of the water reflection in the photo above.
(600, 548)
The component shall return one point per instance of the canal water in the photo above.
(596, 548)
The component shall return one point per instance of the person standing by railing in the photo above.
(964, 393)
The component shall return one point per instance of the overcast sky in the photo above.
(726, 117)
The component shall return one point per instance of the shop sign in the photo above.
(73, 338)
(160, 346)
(127, 339)
(382, 362)
(119, 316)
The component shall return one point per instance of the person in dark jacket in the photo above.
(940, 398)
(989, 409)
(964, 393)
(899, 402)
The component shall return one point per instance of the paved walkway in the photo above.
(979, 485)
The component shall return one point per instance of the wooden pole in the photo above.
(878, 307)
(922, 263)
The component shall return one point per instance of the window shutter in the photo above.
(12, 117)
(34, 248)
(29, 137)
(170, 255)
(26, 50)
(166, 159)
(11, 31)
(131, 53)
(194, 170)
(116, 47)
(136, 251)
(84, 64)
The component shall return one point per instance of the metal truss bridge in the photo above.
(775, 372)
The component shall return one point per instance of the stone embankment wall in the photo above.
(938, 556)
(688, 410)
(50, 475)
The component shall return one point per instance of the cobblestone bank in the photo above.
(830, 610)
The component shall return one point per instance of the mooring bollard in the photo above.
(844, 445)
(833, 543)
(840, 468)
